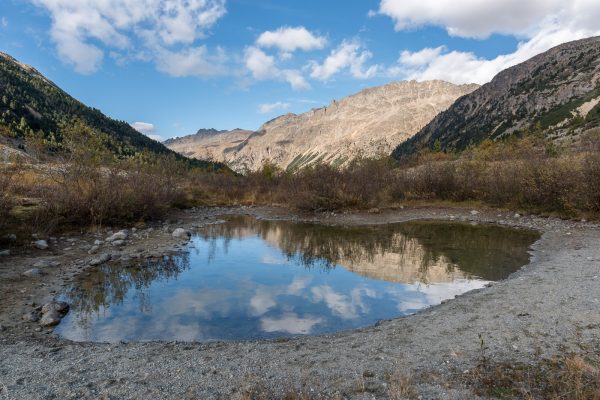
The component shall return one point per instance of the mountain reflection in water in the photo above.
(250, 278)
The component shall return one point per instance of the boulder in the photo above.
(41, 244)
(57, 306)
(101, 259)
(51, 318)
(119, 242)
(181, 233)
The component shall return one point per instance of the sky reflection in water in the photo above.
(249, 279)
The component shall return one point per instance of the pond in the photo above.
(256, 279)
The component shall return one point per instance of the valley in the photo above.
(416, 239)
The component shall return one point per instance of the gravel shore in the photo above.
(550, 306)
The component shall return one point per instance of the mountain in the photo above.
(368, 123)
(208, 144)
(30, 103)
(556, 92)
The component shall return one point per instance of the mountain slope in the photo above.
(368, 123)
(557, 92)
(207, 144)
(30, 103)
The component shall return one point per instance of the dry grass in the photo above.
(401, 387)
(569, 377)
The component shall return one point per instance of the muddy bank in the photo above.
(549, 306)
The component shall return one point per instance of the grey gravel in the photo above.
(547, 308)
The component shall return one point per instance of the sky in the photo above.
(171, 67)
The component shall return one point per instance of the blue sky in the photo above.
(179, 65)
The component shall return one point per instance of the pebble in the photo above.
(41, 244)
(121, 235)
(46, 264)
(101, 259)
(119, 243)
(33, 273)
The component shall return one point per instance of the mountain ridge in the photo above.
(31, 104)
(368, 123)
(540, 93)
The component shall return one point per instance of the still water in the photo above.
(250, 279)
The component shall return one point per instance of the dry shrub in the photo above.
(362, 184)
(572, 377)
(91, 186)
(7, 200)
(401, 387)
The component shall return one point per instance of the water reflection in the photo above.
(249, 278)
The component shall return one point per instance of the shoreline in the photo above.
(547, 306)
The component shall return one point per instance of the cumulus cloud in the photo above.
(136, 26)
(262, 67)
(348, 55)
(147, 129)
(270, 107)
(192, 61)
(288, 40)
(540, 25)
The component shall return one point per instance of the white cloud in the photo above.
(192, 61)
(472, 18)
(270, 107)
(262, 67)
(3, 22)
(348, 55)
(147, 129)
(136, 26)
(290, 323)
(288, 40)
(465, 67)
(540, 25)
(421, 57)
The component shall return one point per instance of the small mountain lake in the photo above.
(256, 279)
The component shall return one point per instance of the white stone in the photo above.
(181, 233)
(41, 244)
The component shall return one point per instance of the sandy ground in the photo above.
(550, 306)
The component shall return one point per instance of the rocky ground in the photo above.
(549, 307)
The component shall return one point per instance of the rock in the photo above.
(98, 242)
(101, 259)
(30, 317)
(374, 210)
(474, 212)
(181, 233)
(51, 318)
(119, 243)
(46, 264)
(11, 237)
(41, 244)
(4, 253)
(121, 235)
(94, 249)
(33, 273)
(517, 215)
(57, 306)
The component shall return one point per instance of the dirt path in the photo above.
(550, 306)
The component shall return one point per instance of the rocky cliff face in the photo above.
(557, 92)
(368, 123)
(208, 144)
